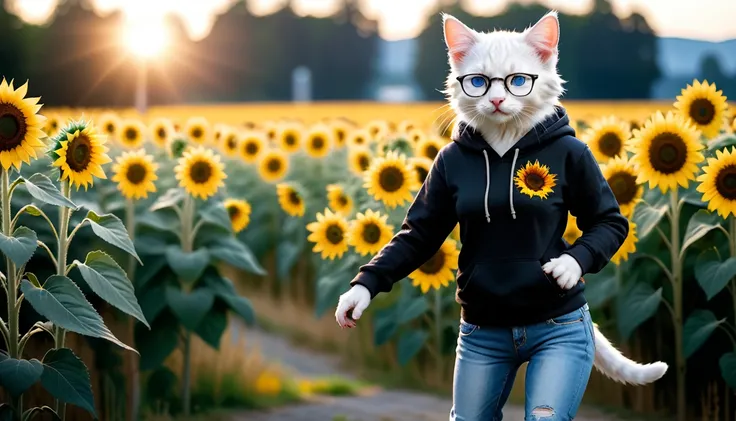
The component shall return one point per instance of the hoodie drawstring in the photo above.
(488, 184)
(511, 184)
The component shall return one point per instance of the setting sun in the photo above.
(145, 39)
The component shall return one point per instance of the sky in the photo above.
(710, 20)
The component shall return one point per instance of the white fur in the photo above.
(565, 270)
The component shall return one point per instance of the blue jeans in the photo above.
(560, 356)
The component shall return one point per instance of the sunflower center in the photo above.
(197, 132)
(136, 173)
(318, 142)
(726, 182)
(290, 139)
(233, 212)
(110, 128)
(161, 133)
(340, 135)
(610, 144)
(12, 127)
(431, 151)
(534, 181)
(391, 179)
(78, 153)
(251, 148)
(668, 153)
(702, 111)
(294, 198)
(364, 162)
(359, 140)
(54, 124)
(200, 172)
(231, 142)
(371, 233)
(271, 134)
(274, 165)
(334, 234)
(434, 264)
(131, 134)
(374, 130)
(342, 200)
(624, 187)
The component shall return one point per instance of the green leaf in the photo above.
(187, 266)
(171, 198)
(110, 229)
(410, 343)
(287, 254)
(109, 281)
(702, 222)
(151, 267)
(153, 301)
(415, 308)
(329, 289)
(712, 274)
(63, 303)
(225, 290)
(17, 376)
(161, 220)
(698, 328)
(217, 215)
(33, 279)
(647, 217)
(235, 253)
(727, 362)
(20, 247)
(190, 308)
(42, 188)
(385, 326)
(637, 305)
(66, 378)
(156, 344)
(30, 414)
(212, 327)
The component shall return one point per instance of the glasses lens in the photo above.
(519, 85)
(475, 85)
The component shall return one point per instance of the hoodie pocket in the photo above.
(507, 280)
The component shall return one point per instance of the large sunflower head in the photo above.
(437, 272)
(132, 134)
(359, 160)
(109, 124)
(607, 138)
(535, 180)
(162, 131)
(369, 232)
(291, 199)
(200, 172)
(273, 165)
(572, 232)
(229, 142)
(429, 147)
(290, 138)
(135, 173)
(421, 166)
(252, 143)
(390, 180)
(622, 178)
(198, 130)
(718, 183)
(21, 127)
(666, 151)
(318, 142)
(628, 247)
(239, 212)
(358, 138)
(329, 235)
(79, 153)
(704, 107)
(338, 200)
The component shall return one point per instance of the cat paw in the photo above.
(351, 306)
(565, 269)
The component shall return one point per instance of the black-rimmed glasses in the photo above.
(517, 84)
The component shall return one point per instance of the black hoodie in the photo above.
(506, 234)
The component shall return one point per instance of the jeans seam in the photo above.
(498, 401)
(580, 377)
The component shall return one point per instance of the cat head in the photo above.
(477, 59)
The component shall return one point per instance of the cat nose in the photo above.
(497, 101)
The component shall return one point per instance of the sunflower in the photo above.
(340, 130)
(21, 127)
(239, 212)
(131, 134)
(390, 180)
(415, 136)
(251, 146)
(53, 123)
(271, 131)
(200, 172)
(607, 138)
(666, 151)
(437, 271)
(318, 142)
(109, 124)
(429, 147)
(572, 232)
(358, 137)
(290, 199)
(198, 130)
(628, 247)
(369, 232)
(338, 200)
(621, 177)
(218, 132)
(455, 234)
(421, 166)
(704, 107)
(535, 180)
(230, 144)
(406, 126)
(359, 160)
(274, 164)
(718, 183)
(377, 130)
(290, 138)
(162, 131)
(329, 235)
(79, 154)
(135, 173)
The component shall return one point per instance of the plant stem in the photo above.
(677, 303)
(186, 246)
(134, 375)
(732, 250)
(12, 283)
(438, 333)
(186, 374)
(61, 256)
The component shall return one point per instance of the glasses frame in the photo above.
(489, 81)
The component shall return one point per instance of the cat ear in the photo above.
(545, 35)
(458, 37)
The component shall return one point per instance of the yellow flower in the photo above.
(416, 136)
(53, 123)
(429, 147)
(437, 271)
(81, 154)
(358, 137)
(421, 166)
(621, 177)
(135, 173)
(535, 180)
(318, 142)
(239, 212)
(200, 172)
(268, 383)
(390, 180)
(338, 200)
(109, 124)
(290, 138)
(340, 129)
(291, 201)
(666, 151)
(359, 160)
(198, 130)
(377, 130)
(607, 138)
(455, 234)
(274, 165)
(718, 183)
(230, 142)
(572, 232)
(406, 126)
(628, 247)
(131, 134)
(704, 107)
(369, 232)
(251, 146)
(21, 127)
(329, 235)
(162, 131)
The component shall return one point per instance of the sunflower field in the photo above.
(190, 206)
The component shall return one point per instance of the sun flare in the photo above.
(145, 38)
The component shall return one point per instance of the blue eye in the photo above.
(518, 80)
(477, 81)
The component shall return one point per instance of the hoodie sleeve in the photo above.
(428, 222)
(598, 216)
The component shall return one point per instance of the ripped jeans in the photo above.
(560, 356)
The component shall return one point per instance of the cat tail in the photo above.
(613, 364)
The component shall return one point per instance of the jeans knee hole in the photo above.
(542, 413)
